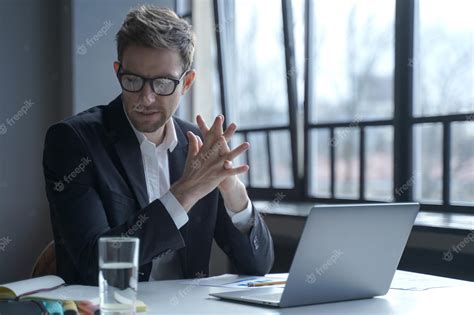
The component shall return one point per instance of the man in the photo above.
(133, 169)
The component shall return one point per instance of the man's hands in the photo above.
(209, 165)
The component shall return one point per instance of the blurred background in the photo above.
(342, 101)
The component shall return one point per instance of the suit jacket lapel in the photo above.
(128, 150)
(177, 158)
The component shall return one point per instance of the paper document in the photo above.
(411, 281)
(236, 281)
(72, 293)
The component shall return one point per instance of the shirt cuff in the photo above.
(243, 220)
(175, 209)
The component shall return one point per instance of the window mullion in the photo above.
(403, 102)
(291, 74)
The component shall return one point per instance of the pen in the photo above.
(262, 284)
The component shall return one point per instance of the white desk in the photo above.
(454, 297)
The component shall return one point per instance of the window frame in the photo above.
(255, 192)
(403, 120)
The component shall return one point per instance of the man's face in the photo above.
(148, 111)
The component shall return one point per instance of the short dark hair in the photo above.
(156, 27)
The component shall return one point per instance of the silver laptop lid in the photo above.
(348, 252)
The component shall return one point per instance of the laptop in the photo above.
(346, 252)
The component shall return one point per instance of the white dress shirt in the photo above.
(156, 168)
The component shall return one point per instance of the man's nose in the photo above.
(147, 96)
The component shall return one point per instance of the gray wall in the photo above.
(30, 71)
(40, 62)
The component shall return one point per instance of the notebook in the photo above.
(54, 288)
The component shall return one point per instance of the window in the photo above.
(350, 105)
(255, 88)
(428, 164)
(256, 64)
(379, 163)
(443, 62)
(461, 167)
(443, 74)
(387, 93)
(352, 60)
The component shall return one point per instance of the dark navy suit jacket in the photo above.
(95, 184)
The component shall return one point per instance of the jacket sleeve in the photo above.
(78, 212)
(251, 253)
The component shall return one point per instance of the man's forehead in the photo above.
(150, 73)
(152, 62)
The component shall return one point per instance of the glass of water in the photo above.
(118, 274)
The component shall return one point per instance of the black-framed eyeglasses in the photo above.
(163, 86)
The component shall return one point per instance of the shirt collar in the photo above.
(170, 141)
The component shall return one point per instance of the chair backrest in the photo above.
(46, 262)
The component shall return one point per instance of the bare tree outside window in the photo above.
(443, 84)
(353, 70)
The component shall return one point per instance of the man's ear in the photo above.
(116, 67)
(188, 80)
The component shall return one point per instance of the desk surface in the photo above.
(446, 296)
